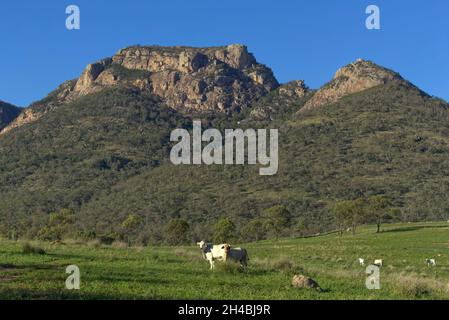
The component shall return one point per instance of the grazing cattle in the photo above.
(431, 262)
(378, 262)
(236, 255)
(361, 262)
(212, 252)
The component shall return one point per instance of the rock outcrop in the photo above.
(353, 78)
(187, 79)
(190, 80)
(286, 96)
(62, 94)
(303, 282)
(8, 113)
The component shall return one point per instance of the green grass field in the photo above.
(180, 273)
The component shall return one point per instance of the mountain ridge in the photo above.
(104, 156)
(352, 78)
(193, 80)
(8, 113)
(213, 79)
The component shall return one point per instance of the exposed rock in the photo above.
(25, 117)
(64, 93)
(220, 79)
(355, 77)
(187, 79)
(303, 282)
(294, 89)
(201, 79)
(288, 95)
(86, 83)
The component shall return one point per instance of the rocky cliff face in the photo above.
(215, 79)
(218, 79)
(8, 113)
(355, 77)
(187, 79)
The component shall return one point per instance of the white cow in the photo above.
(378, 262)
(236, 255)
(431, 262)
(212, 252)
(361, 262)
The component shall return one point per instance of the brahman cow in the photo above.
(431, 262)
(378, 262)
(212, 252)
(236, 255)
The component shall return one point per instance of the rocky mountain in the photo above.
(189, 80)
(99, 146)
(8, 113)
(355, 77)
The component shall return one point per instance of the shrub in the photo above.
(95, 243)
(176, 231)
(28, 248)
(416, 287)
(119, 244)
(224, 231)
(58, 225)
(229, 267)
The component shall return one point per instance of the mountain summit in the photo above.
(189, 80)
(353, 78)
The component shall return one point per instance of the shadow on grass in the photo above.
(136, 279)
(414, 228)
(31, 294)
(9, 266)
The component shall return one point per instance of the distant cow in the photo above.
(378, 262)
(212, 252)
(236, 255)
(361, 261)
(431, 262)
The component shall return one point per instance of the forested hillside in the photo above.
(97, 166)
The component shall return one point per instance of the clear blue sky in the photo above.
(298, 39)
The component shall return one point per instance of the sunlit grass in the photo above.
(116, 272)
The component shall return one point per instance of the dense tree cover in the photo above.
(177, 232)
(104, 157)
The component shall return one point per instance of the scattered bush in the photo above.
(224, 231)
(28, 248)
(416, 287)
(176, 232)
(284, 264)
(229, 267)
(95, 243)
(281, 264)
(119, 244)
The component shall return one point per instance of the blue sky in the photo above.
(298, 39)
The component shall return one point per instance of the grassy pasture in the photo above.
(115, 272)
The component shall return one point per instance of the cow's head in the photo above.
(226, 247)
(201, 244)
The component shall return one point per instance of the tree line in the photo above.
(275, 222)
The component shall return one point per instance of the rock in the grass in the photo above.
(303, 282)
